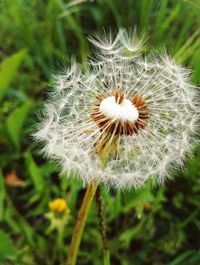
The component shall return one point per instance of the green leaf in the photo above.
(138, 199)
(188, 47)
(8, 70)
(2, 194)
(22, 224)
(7, 250)
(129, 234)
(15, 122)
(197, 66)
(35, 173)
(184, 258)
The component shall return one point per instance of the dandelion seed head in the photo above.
(138, 114)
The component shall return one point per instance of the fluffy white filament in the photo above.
(70, 133)
(125, 111)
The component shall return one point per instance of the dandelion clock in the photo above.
(125, 121)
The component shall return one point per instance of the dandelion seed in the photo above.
(135, 115)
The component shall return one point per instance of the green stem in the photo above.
(80, 223)
(102, 226)
(101, 217)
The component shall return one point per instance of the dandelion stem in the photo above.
(101, 217)
(80, 223)
(102, 225)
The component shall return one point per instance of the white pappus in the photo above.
(136, 113)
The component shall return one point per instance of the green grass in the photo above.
(151, 226)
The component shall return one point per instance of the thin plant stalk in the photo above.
(80, 223)
(102, 226)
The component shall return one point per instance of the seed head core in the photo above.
(125, 111)
(118, 114)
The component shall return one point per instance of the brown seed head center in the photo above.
(120, 127)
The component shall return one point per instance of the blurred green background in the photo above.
(150, 226)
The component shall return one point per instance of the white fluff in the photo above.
(126, 111)
(70, 133)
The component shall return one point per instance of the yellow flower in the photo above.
(59, 205)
